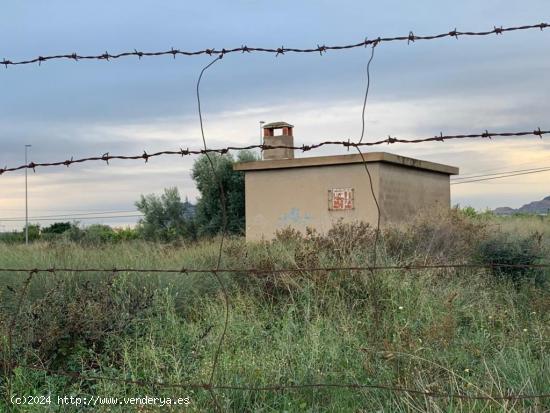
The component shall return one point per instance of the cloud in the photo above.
(121, 183)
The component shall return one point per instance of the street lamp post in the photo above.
(26, 200)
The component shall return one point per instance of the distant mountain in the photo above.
(535, 207)
(504, 211)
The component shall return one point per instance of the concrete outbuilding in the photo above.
(281, 191)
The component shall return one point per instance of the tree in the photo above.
(34, 232)
(209, 214)
(57, 228)
(165, 217)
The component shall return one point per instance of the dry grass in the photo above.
(439, 330)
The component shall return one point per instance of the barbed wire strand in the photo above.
(278, 51)
(258, 271)
(371, 186)
(281, 387)
(215, 273)
(366, 93)
(106, 157)
(364, 162)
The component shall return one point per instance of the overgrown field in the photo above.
(468, 331)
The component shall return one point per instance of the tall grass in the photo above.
(448, 330)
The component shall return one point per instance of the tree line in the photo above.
(166, 217)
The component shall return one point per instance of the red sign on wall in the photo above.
(340, 199)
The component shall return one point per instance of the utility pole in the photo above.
(261, 138)
(26, 200)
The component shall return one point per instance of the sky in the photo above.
(78, 109)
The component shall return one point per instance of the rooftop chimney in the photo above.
(285, 139)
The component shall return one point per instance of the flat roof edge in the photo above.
(320, 161)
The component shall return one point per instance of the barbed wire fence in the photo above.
(409, 38)
(260, 271)
(9, 363)
(346, 143)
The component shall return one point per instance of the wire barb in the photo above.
(454, 33)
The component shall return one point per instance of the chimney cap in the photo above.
(277, 125)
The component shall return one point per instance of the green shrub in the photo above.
(469, 212)
(165, 218)
(16, 237)
(72, 316)
(125, 234)
(504, 249)
(57, 228)
(97, 234)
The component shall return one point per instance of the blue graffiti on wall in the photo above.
(294, 217)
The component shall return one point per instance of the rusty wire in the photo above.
(364, 162)
(258, 271)
(215, 274)
(374, 248)
(106, 157)
(282, 387)
(410, 38)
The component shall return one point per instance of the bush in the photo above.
(125, 234)
(57, 228)
(95, 234)
(166, 217)
(74, 316)
(16, 237)
(503, 249)
(439, 236)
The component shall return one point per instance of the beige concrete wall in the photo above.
(407, 191)
(298, 197)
